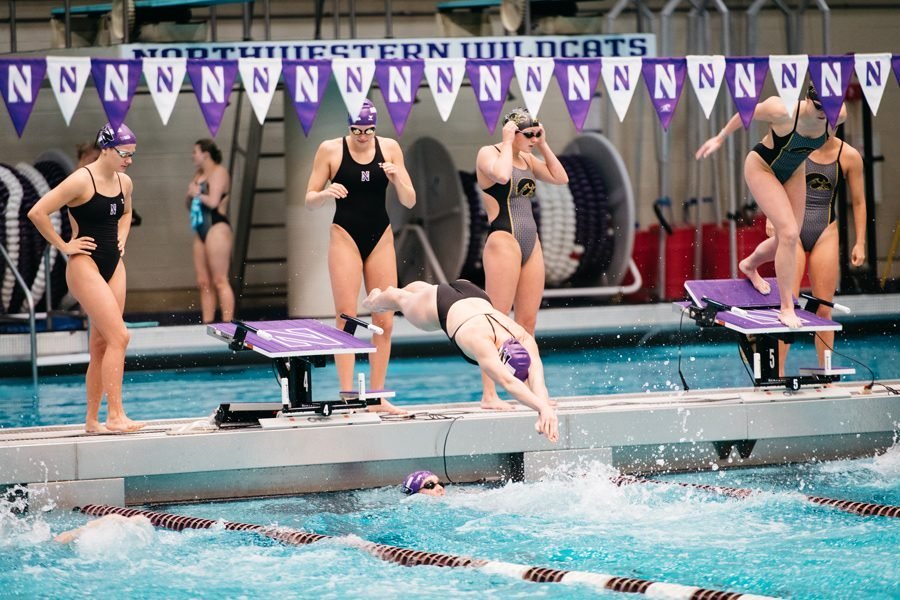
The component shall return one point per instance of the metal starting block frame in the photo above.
(296, 346)
(736, 305)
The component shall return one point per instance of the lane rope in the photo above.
(409, 557)
(858, 508)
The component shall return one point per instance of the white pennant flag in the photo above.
(354, 78)
(445, 76)
(873, 72)
(260, 78)
(789, 73)
(620, 77)
(533, 75)
(68, 75)
(706, 74)
(164, 77)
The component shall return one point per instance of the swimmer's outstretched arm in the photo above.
(547, 423)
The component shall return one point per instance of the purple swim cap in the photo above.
(107, 138)
(516, 358)
(367, 115)
(413, 482)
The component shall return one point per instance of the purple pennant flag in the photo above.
(745, 77)
(831, 76)
(20, 82)
(399, 80)
(895, 61)
(116, 80)
(490, 81)
(577, 78)
(665, 80)
(212, 81)
(306, 81)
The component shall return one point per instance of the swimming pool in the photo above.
(774, 543)
(592, 369)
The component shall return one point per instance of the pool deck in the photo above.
(62, 467)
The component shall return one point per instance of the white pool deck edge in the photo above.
(652, 432)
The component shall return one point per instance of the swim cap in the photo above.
(516, 358)
(413, 482)
(107, 138)
(521, 117)
(367, 115)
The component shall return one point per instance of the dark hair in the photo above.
(86, 148)
(207, 145)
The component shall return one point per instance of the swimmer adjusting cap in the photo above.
(367, 115)
(515, 357)
(521, 117)
(107, 138)
(413, 482)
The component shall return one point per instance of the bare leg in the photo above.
(218, 260)
(345, 267)
(94, 383)
(104, 303)
(782, 206)
(783, 348)
(823, 277)
(204, 282)
(417, 301)
(502, 268)
(380, 271)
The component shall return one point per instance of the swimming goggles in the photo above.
(530, 134)
(359, 131)
(123, 153)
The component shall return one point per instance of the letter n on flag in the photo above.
(116, 81)
(745, 77)
(665, 80)
(212, 81)
(20, 80)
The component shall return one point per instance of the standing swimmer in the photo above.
(360, 166)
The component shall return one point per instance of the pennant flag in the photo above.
(164, 77)
(444, 76)
(20, 81)
(490, 81)
(872, 71)
(399, 80)
(665, 80)
(577, 79)
(831, 76)
(745, 77)
(620, 76)
(212, 81)
(533, 75)
(354, 78)
(895, 61)
(68, 76)
(789, 73)
(306, 81)
(706, 74)
(116, 80)
(260, 77)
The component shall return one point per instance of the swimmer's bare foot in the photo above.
(124, 424)
(95, 427)
(789, 318)
(495, 404)
(386, 407)
(762, 286)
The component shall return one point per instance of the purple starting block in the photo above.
(295, 337)
(733, 292)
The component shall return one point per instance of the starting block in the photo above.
(297, 346)
(736, 305)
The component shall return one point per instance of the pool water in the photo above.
(774, 543)
(594, 369)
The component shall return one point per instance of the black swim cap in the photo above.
(521, 117)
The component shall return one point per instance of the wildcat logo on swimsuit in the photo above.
(526, 188)
(818, 182)
(112, 209)
(365, 175)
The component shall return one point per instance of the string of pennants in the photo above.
(116, 81)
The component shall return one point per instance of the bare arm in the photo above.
(852, 163)
(549, 169)
(770, 110)
(70, 189)
(317, 190)
(216, 187)
(497, 166)
(125, 222)
(397, 174)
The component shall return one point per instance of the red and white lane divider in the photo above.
(851, 506)
(409, 558)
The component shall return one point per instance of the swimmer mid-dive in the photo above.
(502, 348)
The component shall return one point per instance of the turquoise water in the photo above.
(774, 543)
(591, 369)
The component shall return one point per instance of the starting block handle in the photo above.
(814, 303)
(721, 306)
(352, 323)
